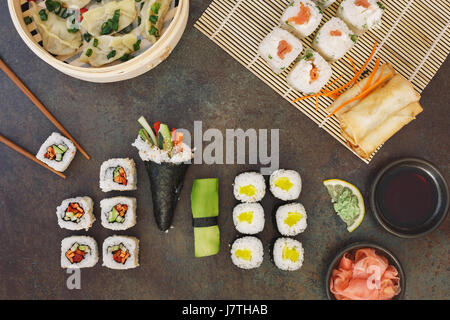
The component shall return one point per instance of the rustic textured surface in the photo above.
(198, 81)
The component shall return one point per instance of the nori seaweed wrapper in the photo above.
(166, 182)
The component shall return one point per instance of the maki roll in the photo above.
(291, 219)
(166, 159)
(334, 39)
(76, 213)
(79, 252)
(288, 254)
(361, 15)
(57, 152)
(325, 3)
(121, 252)
(310, 74)
(248, 218)
(247, 252)
(249, 187)
(118, 174)
(302, 17)
(285, 184)
(280, 48)
(118, 213)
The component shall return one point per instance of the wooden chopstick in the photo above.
(24, 152)
(39, 105)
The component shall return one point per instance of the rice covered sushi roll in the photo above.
(302, 17)
(248, 218)
(249, 187)
(288, 254)
(325, 3)
(118, 213)
(285, 184)
(310, 74)
(361, 15)
(118, 174)
(121, 252)
(334, 39)
(57, 152)
(247, 252)
(76, 213)
(79, 252)
(291, 219)
(280, 48)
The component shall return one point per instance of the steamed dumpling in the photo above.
(75, 3)
(152, 17)
(98, 21)
(55, 35)
(106, 49)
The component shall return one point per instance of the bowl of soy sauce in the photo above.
(410, 198)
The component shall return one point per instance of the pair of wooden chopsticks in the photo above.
(49, 116)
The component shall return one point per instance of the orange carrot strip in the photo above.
(361, 95)
(381, 73)
(374, 71)
(317, 102)
(353, 65)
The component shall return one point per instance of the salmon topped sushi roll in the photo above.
(361, 15)
(302, 17)
(280, 48)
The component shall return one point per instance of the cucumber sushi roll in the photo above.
(334, 39)
(325, 3)
(310, 74)
(285, 184)
(288, 254)
(121, 252)
(248, 218)
(166, 158)
(247, 252)
(280, 48)
(118, 174)
(76, 213)
(249, 187)
(57, 152)
(361, 15)
(118, 213)
(291, 219)
(79, 252)
(302, 17)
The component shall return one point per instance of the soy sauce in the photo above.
(407, 197)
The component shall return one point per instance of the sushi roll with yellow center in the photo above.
(285, 184)
(288, 254)
(249, 187)
(302, 17)
(291, 219)
(247, 252)
(248, 218)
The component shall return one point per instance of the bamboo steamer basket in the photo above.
(142, 63)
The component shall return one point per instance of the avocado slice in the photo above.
(120, 219)
(116, 172)
(143, 122)
(62, 147)
(144, 135)
(166, 142)
(57, 149)
(58, 157)
(113, 215)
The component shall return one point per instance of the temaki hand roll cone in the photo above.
(165, 157)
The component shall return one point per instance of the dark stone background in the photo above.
(198, 81)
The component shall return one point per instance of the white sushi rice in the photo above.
(284, 261)
(90, 259)
(279, 179)
(130, 243)
(247, 244)
(106, 174)
(107, 205)
(325, 3)
(334, 39)
(305, 29)
(300, 76)
(360, 18)
(149, 153)
(85, 222)
(249, 187)
(56, 138)
(248, 218)
(268, 49)
(291, 219)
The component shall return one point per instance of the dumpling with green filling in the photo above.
(106, 49)
(109, 18)
(152, 18)
(56, 37)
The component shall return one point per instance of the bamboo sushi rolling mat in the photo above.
(414, 38)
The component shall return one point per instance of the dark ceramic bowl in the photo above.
(379, 250)
(436, 180)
